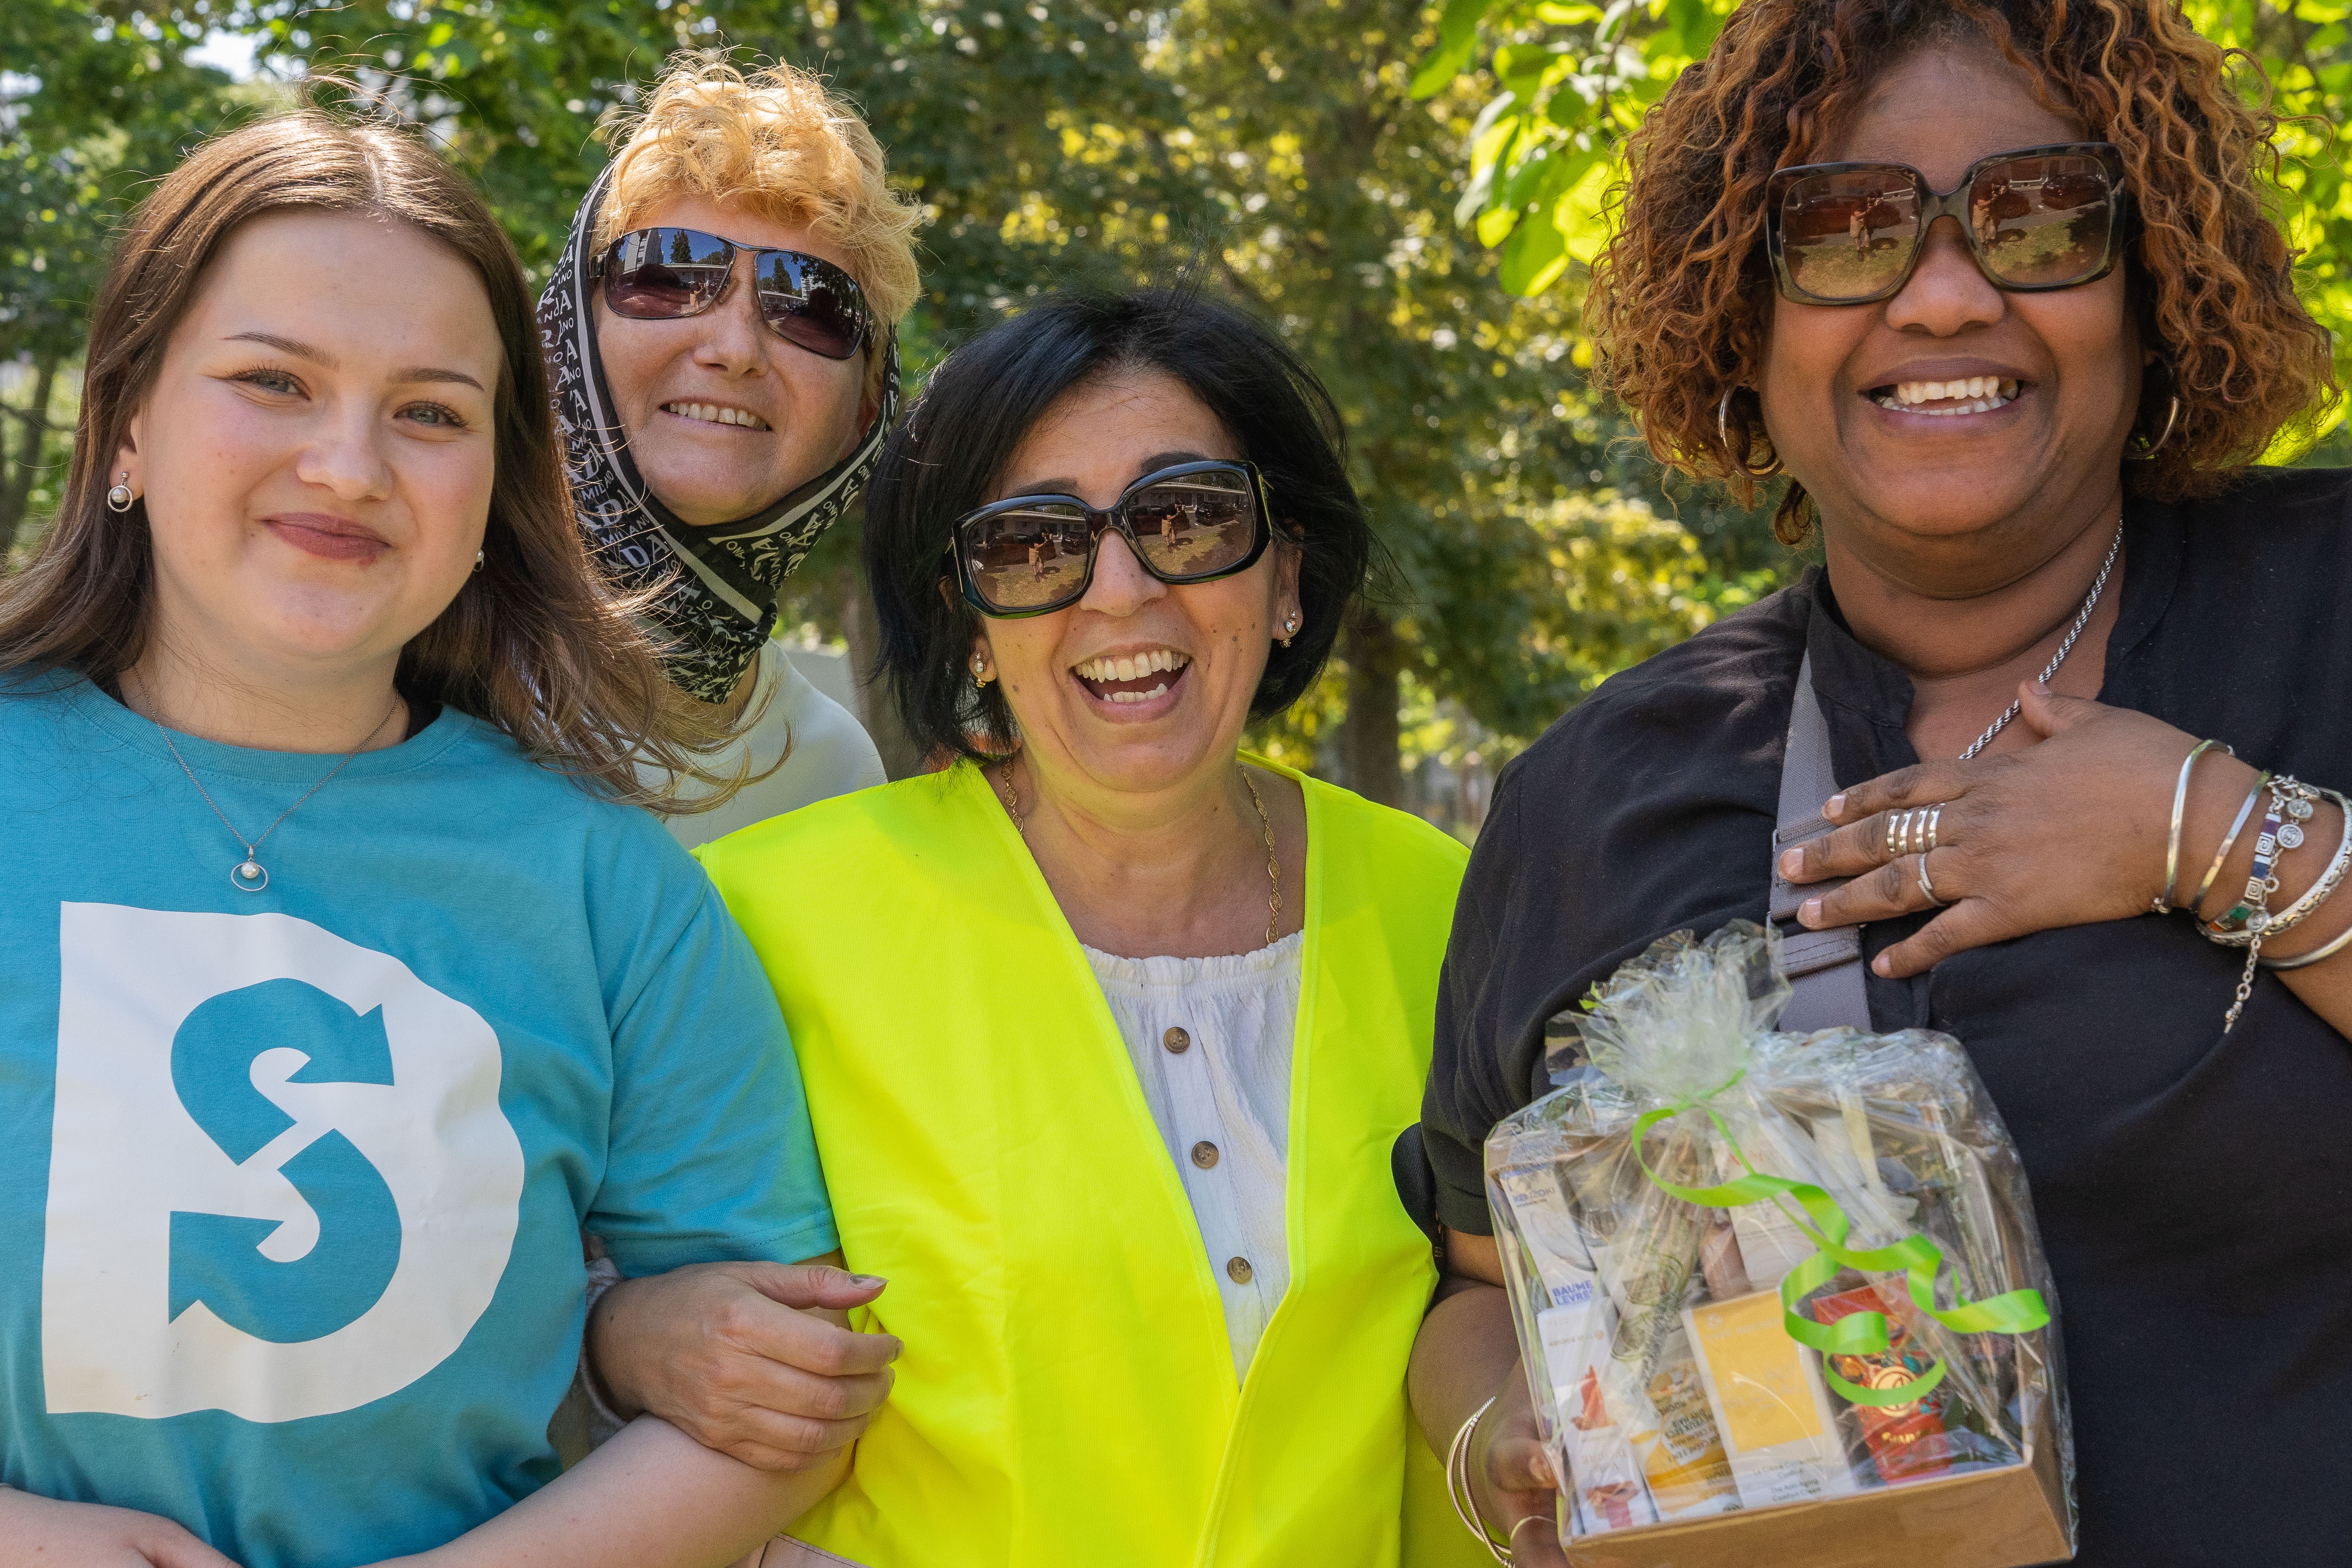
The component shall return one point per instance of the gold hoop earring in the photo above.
(120, 498)
(1740, 457)
(2171, 418)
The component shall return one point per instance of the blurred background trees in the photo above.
(1410, 194)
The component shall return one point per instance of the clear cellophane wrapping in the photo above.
(1651, 1326)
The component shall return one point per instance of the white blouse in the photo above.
(1210, 1040)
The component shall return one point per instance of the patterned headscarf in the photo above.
(718, 585)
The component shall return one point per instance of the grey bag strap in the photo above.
(1825, 967)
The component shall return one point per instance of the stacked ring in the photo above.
(1927, 887)
(1912, 832)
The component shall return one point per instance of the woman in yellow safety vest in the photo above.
(1108, 1028)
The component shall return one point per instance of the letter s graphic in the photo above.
(175, 1190)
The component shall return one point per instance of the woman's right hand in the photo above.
(754, 1359)
(88, 1535)
(1511, 1477)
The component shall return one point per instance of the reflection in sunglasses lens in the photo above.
(1848, 236)
(808, 309)
(2041, 221)
(1032, 556)
(1198, 524)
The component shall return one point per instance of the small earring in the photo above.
(1289, 630)
(477, 560)
(1723, 431)
(980, 676)
(119, 498)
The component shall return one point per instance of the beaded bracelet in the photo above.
(2281, 830)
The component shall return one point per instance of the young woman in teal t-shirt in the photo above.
(347, 984)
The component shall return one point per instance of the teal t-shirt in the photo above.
(292, 1183)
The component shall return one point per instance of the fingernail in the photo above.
(1835, 804)
(862, 1280)
(1809, 912)
(1883, 966)
(1791, 861)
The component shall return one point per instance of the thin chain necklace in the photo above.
(1266, 825)
(249, 876)
(2082, 619)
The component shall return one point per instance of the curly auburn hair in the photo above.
(1679, 297)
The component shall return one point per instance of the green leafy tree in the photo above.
(92, 98)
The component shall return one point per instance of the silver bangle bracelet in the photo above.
(2317, 894)
(2164, 904)
(1458, 1489)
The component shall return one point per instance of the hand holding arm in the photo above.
(755, 1360)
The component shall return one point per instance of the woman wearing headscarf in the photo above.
(1994, 284)
(720, 331)
(1110, 1037)
(721, 344)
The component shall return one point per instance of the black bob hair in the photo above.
(949, 453)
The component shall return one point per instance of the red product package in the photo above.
(1906, 1442)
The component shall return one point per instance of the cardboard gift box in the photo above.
(1780, 1299)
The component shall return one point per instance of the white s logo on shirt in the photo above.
(167, 1199)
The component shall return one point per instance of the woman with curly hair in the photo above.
(2025, 437)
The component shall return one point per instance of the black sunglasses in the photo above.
(1191, 523)
(2037, 218)
(661, 274)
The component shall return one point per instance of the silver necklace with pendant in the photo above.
(2082, 619)
(249, 876)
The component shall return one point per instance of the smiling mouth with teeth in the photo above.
(1132, 678)
(715, 414)
(1971, 394)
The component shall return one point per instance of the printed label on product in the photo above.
(1779, 1427)
(1575, 1345)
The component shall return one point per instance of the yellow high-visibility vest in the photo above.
(1067, 1395)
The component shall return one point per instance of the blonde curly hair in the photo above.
(1679, 299)
(780, 144)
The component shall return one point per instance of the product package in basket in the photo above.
(1780, 1297)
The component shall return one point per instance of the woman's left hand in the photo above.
(2065, 833)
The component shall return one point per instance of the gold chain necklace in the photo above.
(1266, 824)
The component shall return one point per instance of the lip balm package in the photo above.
(1780, 1298)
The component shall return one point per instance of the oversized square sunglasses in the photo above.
(1190, 523)
(2036, 218)
(661, 274)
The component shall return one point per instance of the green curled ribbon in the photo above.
(1860, 1334)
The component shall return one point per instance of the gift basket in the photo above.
(1780, 1297)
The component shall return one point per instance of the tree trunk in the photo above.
(876, 710)
(16, 484)
(1370, 736)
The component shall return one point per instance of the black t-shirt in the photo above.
(2194, 1190)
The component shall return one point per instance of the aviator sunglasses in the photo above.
(2037, 218)
(661, 274)
(1191, 522)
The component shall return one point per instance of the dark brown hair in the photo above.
(534, 643)
(1679, 298)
